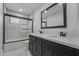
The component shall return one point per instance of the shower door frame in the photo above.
(5, 14)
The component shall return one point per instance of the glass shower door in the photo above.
(17, 28)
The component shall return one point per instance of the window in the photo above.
(14, 20)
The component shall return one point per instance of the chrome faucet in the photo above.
(63, 34)
(41, 31)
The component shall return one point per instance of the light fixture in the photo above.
(20, 10)
(45, 11)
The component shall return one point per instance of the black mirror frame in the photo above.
(64, 17)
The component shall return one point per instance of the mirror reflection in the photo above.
(53, 16)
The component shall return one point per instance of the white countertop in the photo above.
(72, 42)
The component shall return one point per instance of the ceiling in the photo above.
(27, 8)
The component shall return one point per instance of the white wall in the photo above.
(37, 18)
(1, 26)
(72, 21)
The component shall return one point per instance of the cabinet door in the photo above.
(36, 47)
(39, 50)
(58, 53)
(47, 52)
(33, 49)
(30, 45)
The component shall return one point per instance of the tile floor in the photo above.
(16, 49)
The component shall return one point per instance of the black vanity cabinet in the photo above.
(58, 49)
(32, 45)
(43, 47)
(35, 46)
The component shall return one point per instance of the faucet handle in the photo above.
(41, 31)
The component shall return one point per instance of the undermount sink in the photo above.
(51, 35)
(54, 36)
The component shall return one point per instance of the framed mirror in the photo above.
(54, 16)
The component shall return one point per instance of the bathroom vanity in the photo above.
(46, 45)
